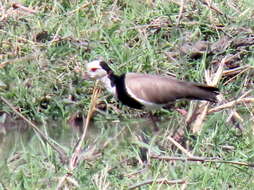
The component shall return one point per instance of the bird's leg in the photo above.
(143, 151)
(153, 119)
(142, 137)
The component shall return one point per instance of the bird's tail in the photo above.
(203, 92)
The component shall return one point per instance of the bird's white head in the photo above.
(96, 69)
(99, 70)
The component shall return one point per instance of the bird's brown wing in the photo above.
(162, 89)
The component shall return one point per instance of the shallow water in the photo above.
(15, 134)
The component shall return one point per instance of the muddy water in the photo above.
(15, 134)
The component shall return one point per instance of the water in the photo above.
(16, 135)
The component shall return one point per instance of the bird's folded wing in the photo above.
(155, 88)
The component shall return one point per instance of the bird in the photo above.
(147, 91)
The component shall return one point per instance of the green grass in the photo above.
(39, 53)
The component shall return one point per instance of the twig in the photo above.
(245, 94)
(56, 147)
(134, 174)
(23, 8)
(201, 159)
(231, 104)
(82, 7)
(15, 60)
(180, 147)
(180, 12)
(233, 116)
(105, 144)
(209, 5)
(158, 181)
(237, 70)
(18, 37)
(177, 3)
(198, 122)
(239, 73)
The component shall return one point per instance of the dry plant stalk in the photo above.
(201, 159)
(239, 73)
(135, 173)
(237, 70)
(100, 179)
(232, 104)
(178, 3)
(180, 12)
(17, 60)
(73, 162)
(82, 7)
(180, 147)
(234, 115)
(209, 3)
(17, 37)
(198, 123)
(23, 8)
(158, 181)
(77, 150)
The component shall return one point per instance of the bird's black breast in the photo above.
(123, 95)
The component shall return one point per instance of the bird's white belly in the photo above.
(107, 84)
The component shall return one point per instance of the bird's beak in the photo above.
(85, 76)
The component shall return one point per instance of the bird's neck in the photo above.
(109, 81)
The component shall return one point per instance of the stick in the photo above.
(208, 4)
(23, 8)
(82, 7)
(180, 12)
(158, 181)
(231, 104)
(180, 147)
(200, 159)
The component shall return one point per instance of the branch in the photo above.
(180, 147)
(201, 159)
(23, 8)
(158, 181)
(231, 104)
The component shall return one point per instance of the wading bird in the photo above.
(146, 91)
(139, 91)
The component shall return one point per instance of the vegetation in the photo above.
(44, 46)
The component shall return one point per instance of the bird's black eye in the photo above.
(93, 69)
